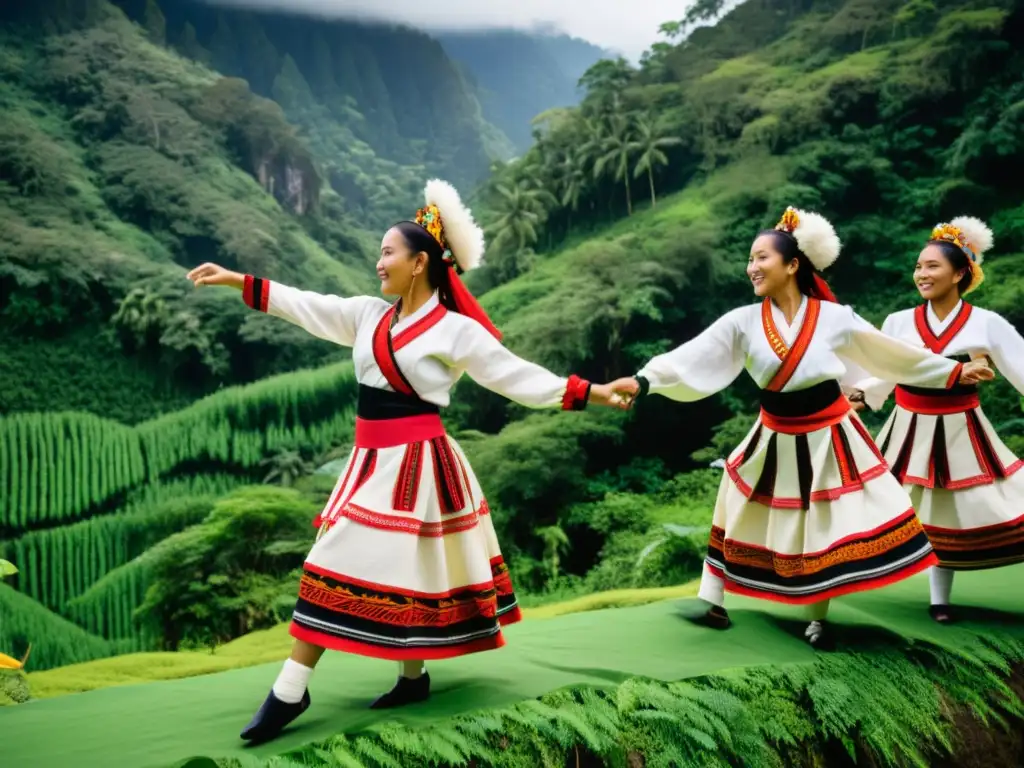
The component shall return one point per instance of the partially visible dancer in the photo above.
(966, 484)
(406, 564)
(806, 510)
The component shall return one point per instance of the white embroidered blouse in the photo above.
(839, 340)
(433, 347)
(967, 330)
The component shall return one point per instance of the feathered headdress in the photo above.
(814, 234)
(970, 235)
(451, 223)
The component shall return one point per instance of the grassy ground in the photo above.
(157, 724)
(274, 645)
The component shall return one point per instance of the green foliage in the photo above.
(62, 466)
(231, 574)
(55, 641)
(894, 707)
(124, 163)
(13, 687)
(61, 563)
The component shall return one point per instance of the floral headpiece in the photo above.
(429, 217)
(455, 231)
(970, 235)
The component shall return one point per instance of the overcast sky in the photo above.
(626, 26)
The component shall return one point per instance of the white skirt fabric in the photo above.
(407, 564)
(966, 485)
(802, 518)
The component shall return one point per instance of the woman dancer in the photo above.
(963, 480)
(807, 509)
(406, 565)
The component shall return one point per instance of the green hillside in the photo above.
(142, 138)
(631, 686)
(159, 468)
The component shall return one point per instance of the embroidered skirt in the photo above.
(965, 483)
(406, 564)
(807, 509)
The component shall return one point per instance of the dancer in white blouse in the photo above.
(406, 565)
(966, 485)
(807, 509)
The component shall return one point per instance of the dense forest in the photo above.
(623, 229)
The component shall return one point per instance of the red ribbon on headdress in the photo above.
(466, 304)
(820, 289)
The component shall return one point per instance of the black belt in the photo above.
(804, 402)
(378, 404)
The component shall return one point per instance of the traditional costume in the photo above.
(406, 564)
(806, 510)
(965, 483)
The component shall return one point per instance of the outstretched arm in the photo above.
(893, 360)
(1007, 350)
(699, 368)
(332, 318)
(873, 390)
(493, 366)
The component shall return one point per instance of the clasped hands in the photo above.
(620, 393)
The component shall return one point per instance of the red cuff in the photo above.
(577, 392)
(954, 377)
(256, 293)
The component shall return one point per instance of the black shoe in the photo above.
(406, 691)
(272, 717)
(715, 618)
(941, 613)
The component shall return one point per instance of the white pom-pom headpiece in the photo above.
(972, 236)
(451, 224)
(814, 234)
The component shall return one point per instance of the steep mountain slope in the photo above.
(883, 117)
(124, 163)
(376, 129)
(520, 75)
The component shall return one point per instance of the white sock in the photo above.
(712, 588)
(292, 682)
(814, 630)
(941, 582)
(411, 669)
(818, 611)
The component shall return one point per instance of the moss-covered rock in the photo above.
(13, 687)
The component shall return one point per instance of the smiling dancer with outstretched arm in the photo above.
(807, 509)
(406, 565)
(965, 483)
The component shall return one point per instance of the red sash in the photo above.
(790, 356)
(938, 343)
(384, 345)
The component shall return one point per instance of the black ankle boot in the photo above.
(272, 717)
(406, 691)
(716, 617)
(941, 613)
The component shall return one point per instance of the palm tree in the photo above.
(555, 545)
(285, 467)
(617, 149)
(649, 144)
(572, 179)
(524, 207)
(141, 316)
